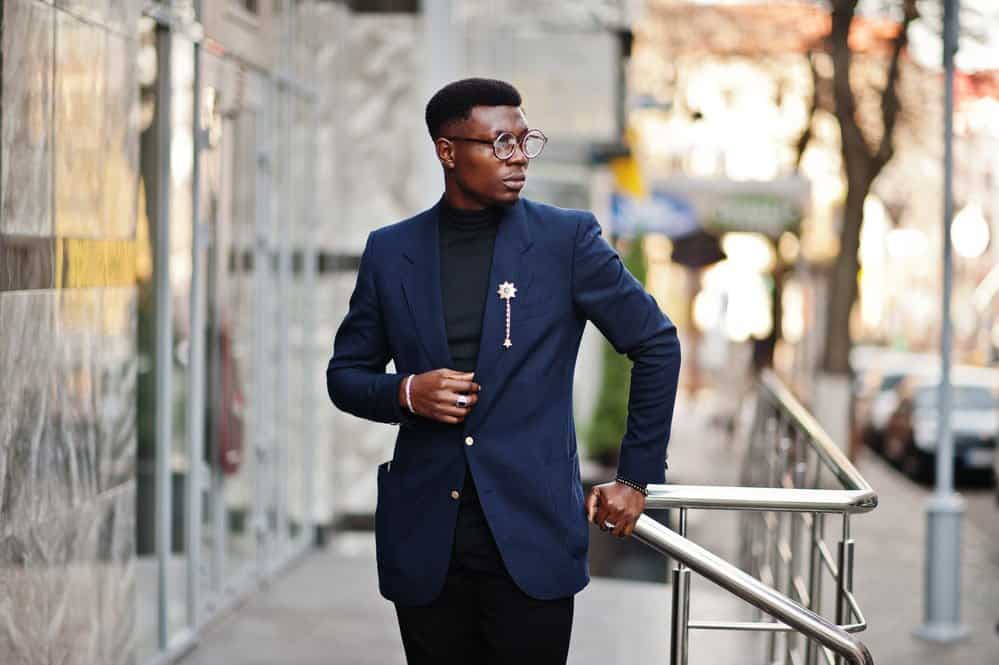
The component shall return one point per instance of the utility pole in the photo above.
(944, 510)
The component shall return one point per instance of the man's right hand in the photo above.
(433, 394)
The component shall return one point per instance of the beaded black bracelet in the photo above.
(632, 485)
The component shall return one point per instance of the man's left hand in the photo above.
(615, 503)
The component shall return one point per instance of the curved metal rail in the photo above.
(716, 497)
(780, 398)
(751, 590)
(785, 500)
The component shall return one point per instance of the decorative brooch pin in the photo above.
(507, 291)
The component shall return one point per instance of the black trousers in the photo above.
(481, 616)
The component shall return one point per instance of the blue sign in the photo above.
(663, 213)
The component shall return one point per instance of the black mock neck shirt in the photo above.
(467, 238)
(466, 250)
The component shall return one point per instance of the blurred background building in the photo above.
(158, 251)
(186, 190)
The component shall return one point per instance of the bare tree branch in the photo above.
(838, 43)
(806, 135)
(889, 98)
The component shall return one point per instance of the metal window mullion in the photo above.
(262, 302)
(311, 251)
(196, 363)
(283, 200)
(222, 242)
(164, 332)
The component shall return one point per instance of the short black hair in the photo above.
(455, 100)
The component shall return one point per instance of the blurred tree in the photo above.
(865, 155)
(863, 160)
(606, 429)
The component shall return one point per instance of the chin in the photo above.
(507, 198)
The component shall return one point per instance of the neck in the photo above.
(460, 198)
(459, 201)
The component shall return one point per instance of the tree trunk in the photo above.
(833, 401)
(833, 404)
(843, 289)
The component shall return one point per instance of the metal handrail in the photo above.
(714, 497)
(820, 442)
(784, 439)
(751, 590)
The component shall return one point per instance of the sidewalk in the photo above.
(328, 611)
(888, 576)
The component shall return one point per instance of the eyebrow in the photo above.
(496, 133)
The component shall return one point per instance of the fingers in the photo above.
(455, 375)
(598, 508)
(604, 508)
(603, 513)
(461, 385)
(447, 404)
(451, 397)
(624, 524)
(444, 393)
(454, 411)
(591, 504)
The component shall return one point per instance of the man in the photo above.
(481, 528)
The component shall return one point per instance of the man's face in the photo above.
(480, 176)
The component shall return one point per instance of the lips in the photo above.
(515, 181)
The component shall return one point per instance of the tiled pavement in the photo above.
(327, 610)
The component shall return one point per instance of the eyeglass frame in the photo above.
(495, 141)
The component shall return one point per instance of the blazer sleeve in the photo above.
(631, 320)
(356, 379)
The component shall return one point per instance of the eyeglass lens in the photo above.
(506, 144)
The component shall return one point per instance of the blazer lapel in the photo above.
(513, 238)
(421, 284)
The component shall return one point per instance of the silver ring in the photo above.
(462, 401)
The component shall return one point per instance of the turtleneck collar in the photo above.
(470, 219)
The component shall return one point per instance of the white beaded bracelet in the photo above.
(409, 403)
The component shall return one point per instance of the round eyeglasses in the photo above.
(504, 145)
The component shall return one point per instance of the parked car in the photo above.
(995, 473)
(877, 371)
(876, 405)
(910, 436)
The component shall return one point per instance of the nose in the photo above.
(518, 156)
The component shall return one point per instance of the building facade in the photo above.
(185, 190)
(157, 439)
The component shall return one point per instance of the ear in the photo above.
(445, 152)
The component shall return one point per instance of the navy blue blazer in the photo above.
(520, 438)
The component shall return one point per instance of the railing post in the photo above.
(844, 578)
(799, 470)
(814, 581)
(680, 618)
(779, 469)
